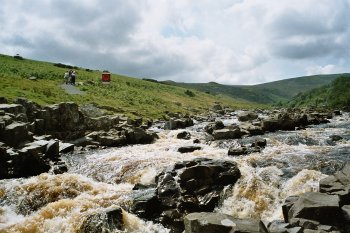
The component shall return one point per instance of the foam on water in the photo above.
(289, 165)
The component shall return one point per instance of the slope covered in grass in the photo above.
(334, 95)
(124, 94)
(267, 93)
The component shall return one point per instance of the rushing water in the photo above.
(293, 162)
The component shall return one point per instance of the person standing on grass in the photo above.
(66, 77)
(73, 76)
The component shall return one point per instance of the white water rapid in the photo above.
(293, 162)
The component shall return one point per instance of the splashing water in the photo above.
(292, 163)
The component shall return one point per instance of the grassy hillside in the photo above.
(267, 93)
(334, 95)
(125, 94)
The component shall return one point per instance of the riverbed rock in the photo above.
(214, 126)
(15, 134)
(184, 135)
(186, 187)
(227, 133)
(108, 220)
(247, 116)
(223, 223)
(315, 206)
(338, 184)
(180, 123)
(188, 149)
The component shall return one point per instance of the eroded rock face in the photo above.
(186, 187)
(179, 123)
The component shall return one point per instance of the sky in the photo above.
(236, 42)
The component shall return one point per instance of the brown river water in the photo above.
(292, 163)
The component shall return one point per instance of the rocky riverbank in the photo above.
(185, 195)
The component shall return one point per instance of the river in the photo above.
(293, 162)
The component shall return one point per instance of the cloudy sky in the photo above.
(226, 41)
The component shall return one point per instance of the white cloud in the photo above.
(327, 69)
(229, 41)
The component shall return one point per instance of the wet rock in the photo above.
(12, 108)
(335, 138)
(28, 162)
(66, 147)
(234, 151)
(214, 126)
(251, 129)
(319, 207)
(260, 142)
(188, 149)
(243, 150)
(184, 135)
(15, 134)
(337, 113)
(186, 187)
(338, 184)
(196, 141)
(139, 136)
(215, 223)
(178, 123)
(101, 123)
(108, 220)
(227, 133)
(247, 116)
(277, 226)
(146, 204)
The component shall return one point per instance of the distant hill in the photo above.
(267, 93)
(40, 82)
(334, 95)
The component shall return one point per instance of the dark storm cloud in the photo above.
(309, 34)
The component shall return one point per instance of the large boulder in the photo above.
(15, 134)
(315, 206)
(214, 126)
(221, 223)
(186, 187)
(227, 133)
(247, 116)
(178, 123)
(338, 184)
(101, 123)
(13, 108)
(109, 220)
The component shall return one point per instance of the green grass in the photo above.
(267, 93)
(128, 95)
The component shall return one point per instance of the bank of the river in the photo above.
(97, 181)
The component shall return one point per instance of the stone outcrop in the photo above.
(227, 133)
(223, 223)
(324, 211)
(186, 187)
(26, 151)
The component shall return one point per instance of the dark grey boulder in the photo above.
(188, 149)
(189, 186)
(15, 134)
(227, 133)
(184, 135)
(214, 126)
(315, 206)
(247, 116)
(12, 108)
(66, 147)
(338, 184)
(221, 223)
(108, 220)
(178, 123)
